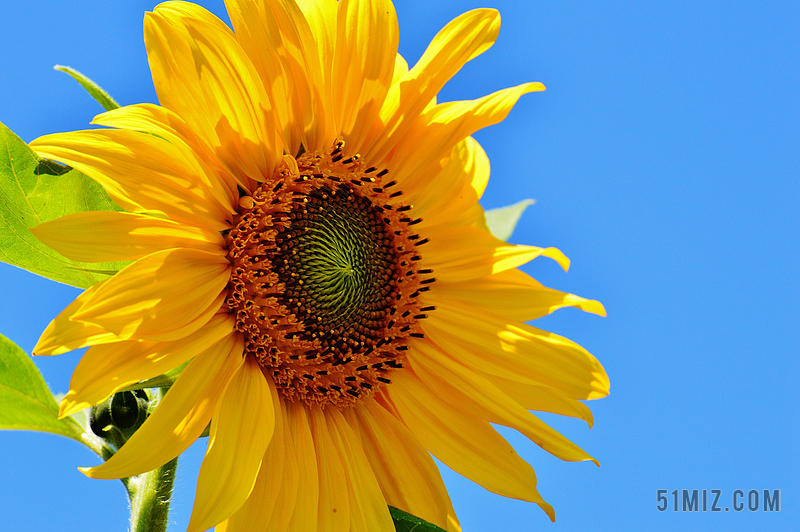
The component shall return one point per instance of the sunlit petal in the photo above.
(106, 369)
(181, 416)
(160, 294)
(106, 236)
(241, 430)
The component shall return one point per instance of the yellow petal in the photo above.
(307, 507)
(400, 69)
(105, 369)
(462, 39)
(407, 475)
(368, 511)
(63, 335)
(515, 295)
(242, 427)
(278, 39)
(100, 236)
(469, 446)
(462, 253)
(141, 172)
(180, 417)
(271, 504)
(334, 500)
(363, 65)
(160, 296)
(163, 123)
(322, 18)
(201, 72)
(516, 352)
(439, 129)
(451, 197)
(465, 388)
(257, 32)
(543, 399)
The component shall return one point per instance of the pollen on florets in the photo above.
(325, 277)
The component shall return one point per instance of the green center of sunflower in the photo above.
(337, 261)
(325, 278)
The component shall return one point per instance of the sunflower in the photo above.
(303, 221)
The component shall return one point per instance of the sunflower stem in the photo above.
(151, 492)
(150, 495)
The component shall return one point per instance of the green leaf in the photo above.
(503, 220)
(405, 522)
(25, 401)
(162, 381)
(33, 191)
(102, 97)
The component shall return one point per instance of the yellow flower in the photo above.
(306, 232)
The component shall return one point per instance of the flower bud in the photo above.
(100, 418)
(124, 411)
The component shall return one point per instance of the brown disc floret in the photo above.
(325, 277)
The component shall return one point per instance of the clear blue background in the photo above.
(664, 157)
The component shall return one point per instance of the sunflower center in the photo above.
(325, 278)
(335, 262)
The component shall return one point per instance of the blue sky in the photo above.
(664, 158)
